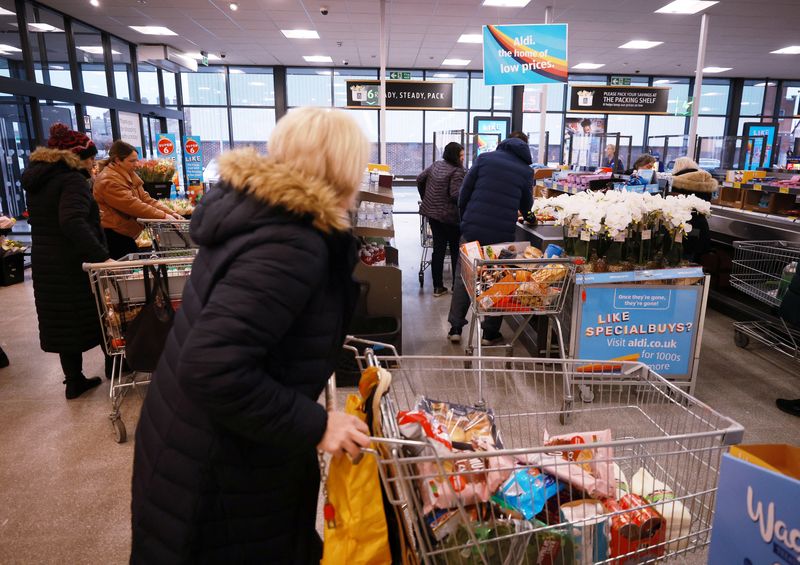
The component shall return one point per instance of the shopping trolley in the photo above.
(119, 292)
(523, 287)
(168, 235)
(426, 242)
(759, 271)
(450, 500)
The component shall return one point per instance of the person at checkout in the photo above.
(612, 161)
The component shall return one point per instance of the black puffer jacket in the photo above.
(790, 306)
(442, 182)
(225, 467)
(497, 186)
(65, 227)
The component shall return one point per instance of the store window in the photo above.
(678, 94)
(554, 127)
(627, 125)
(710, 126)
(501, 98)
(89, 51)
(309, 87)
(123, 76)
(368, 120)
(790, 99)
(48, 46)
(211, 124)
(54, 112)
(714, 97)
(788, 139)
(170, 88)
(252, 127)
(206, 87)
(753, 97)
(404, 141)
(252, 86)
(101, 134)
(531, 97)
(148, 84)
(11, 64)
(480, 95)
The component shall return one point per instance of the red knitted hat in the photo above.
(61, 137)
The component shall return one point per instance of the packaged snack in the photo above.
(679, 520)
(472, 249)
(532, 252)
(589, 530)
(640, 542)
(621, 521)
(550, 273)
(527, 491)
(597, 463)
(465, 425)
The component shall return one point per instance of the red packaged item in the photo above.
(652, 533)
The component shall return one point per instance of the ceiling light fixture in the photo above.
(95, 3)
(199, 56)
(444, 75)
(589, 66)
(791, 50)
(662, 81)
(470, 38)
(686, 6)
(94, 50)
(233, 6)
(641, 44)
(9, 48)
(236, 71)
(765, 84)
(300, 33)
(56, 68)
(153, 30)
(43, 28)
(317, 59)
(456, 62)
(507, 3)
(4, 12)
(714, 70)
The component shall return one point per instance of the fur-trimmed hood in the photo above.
(281, 186)
(695, 181)
(45, 162)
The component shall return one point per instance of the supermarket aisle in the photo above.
(64, 483)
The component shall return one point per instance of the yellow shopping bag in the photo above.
(359, 535)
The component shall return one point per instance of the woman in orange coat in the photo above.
(120, 193)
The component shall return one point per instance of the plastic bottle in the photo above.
(786, 278)
(112, 323)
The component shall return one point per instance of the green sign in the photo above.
(204, 58)
(397, 75)
(620, 81)
(684, 108)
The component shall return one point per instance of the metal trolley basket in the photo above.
(655, 426)
(426, 242)
(758, 272)
(119, 292)
(523, 287)
(169, 235)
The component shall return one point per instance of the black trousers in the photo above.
(119, 245)
(72, 365)
(443, 235)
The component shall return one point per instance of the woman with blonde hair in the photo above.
(225, 466)
(122, 199)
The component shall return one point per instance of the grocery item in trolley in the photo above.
(589, 530)
(678, 518)
(527, 491)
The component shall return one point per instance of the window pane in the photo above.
(714, 97)
(89, 50)
(627, 125)
(444, 121)
(121, 53)
(206, 87)
(554, 125)
(252, 127)
(678, 93)
(502, 97)
(790, 99)
(368, 120)
(48, 47)
(555, 97)
(252, 87)
(308, 87)
(10, 58)
(753, 97)
(211, 124)
(170, 90)
(480, 96)
(340, 84)
(57, 112)
(667, 125)
(101, 129)
(148, 84)
(404, 141)
(710, 127)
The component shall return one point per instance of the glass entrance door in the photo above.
(15, 151)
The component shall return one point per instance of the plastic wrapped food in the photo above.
(464, 424)
(550, 273)
(527, 491)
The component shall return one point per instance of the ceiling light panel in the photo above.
(686, 6)
(589, 66)
(9, 48)
(506, 3)
(641, 44)
(153, 30)
(300, 33)
(4, 12)
(43, 28)
(317, 59)
(791, 50)
(714, 70)
(95, 50)
(456, 62)
(471, 38)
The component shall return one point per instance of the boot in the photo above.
(77, 386)
(3, 359)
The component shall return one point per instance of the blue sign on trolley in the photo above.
(525, 54)
(193, 157)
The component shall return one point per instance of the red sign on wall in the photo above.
(191, 147)
(166, 146)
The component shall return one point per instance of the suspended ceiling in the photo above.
(423, 34)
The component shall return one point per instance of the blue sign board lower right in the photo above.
(655, 325)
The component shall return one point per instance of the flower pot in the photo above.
(158, 190)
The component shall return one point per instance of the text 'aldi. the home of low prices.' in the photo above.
(525, 54)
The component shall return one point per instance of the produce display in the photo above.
(571, 504)
(11, 246)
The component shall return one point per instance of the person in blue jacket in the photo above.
(497, 187)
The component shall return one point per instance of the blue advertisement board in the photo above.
(525, 54)
(165, 146)
(655, 325)
(753, 132)
(193, 157)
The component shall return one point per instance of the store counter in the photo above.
(731, 224)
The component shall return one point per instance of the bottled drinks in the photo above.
(786, 278)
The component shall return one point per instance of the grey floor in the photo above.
(64, 482)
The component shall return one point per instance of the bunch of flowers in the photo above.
(156, 170)
(11, 246)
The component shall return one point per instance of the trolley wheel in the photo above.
(120, 434)
(421, 279)
(587, 394)
(741, 339)
(565, 417)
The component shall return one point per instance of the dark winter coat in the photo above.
(790, 306)
(225, 466)
(442, 183)
(496, 188)
(65, 228)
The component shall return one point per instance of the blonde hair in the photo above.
(683, 163)
(323, 143)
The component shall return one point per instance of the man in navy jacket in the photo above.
(497, 187)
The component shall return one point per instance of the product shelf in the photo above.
(795, 191)
(376, 194)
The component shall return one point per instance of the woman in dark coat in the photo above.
(439, 186)
(65, 229)
(225, 466)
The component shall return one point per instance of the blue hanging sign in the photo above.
(525, 54)
(193, 157)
